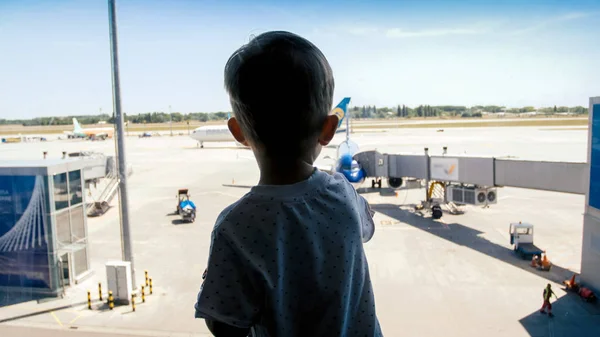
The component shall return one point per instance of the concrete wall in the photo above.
(590, 258)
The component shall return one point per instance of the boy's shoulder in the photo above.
(259, 199)
(232, 211)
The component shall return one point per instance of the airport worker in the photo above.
(547, 295)
(287, 259)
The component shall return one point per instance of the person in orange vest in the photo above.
(547, 295)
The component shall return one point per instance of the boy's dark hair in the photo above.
(281, 90)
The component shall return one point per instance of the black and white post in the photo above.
(126, 250)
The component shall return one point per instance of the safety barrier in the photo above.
(146, 286)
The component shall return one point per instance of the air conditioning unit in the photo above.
(471, 195)
(492, 195)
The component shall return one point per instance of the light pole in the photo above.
(127, 253)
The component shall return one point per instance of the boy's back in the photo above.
(288, 260)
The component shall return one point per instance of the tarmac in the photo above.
(454, 277)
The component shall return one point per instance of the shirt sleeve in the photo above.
(366, 215)
(226, 294)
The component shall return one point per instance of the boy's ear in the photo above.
(236, 131)
(328, 130)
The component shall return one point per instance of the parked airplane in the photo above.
(345, 163)
(92, 133)
(220, 133)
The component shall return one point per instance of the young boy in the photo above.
(287, 259)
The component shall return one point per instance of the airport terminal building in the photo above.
(43, 229)
(590, 259)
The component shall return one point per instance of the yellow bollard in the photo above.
(111, 300)
(150, 286)
(143, 295)
(100, 290)
(133, 302)
(89, 300)
(146, 273)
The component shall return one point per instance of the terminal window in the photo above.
(75, 191)
(61, 194)
(63, 228)
(77, 224)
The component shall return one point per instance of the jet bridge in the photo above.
(564, 177)
(577, 178)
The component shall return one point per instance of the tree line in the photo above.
(366, 111)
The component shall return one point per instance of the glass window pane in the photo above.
(61, 195)
(63, 231)
(77, 223)
(80, 261)
(75, 190)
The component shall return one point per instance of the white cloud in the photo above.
(400, 33)
(553, 21)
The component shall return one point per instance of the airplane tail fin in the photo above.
(341, 110)
(76, 126)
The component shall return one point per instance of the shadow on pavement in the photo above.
(573, 316)
(469, 237)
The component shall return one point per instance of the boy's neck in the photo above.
(282, 172)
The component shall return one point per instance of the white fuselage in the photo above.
(217, 133)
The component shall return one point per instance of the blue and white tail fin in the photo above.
(76, 126)
(341, 110)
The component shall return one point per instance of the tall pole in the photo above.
(127, 253)
(171, 120)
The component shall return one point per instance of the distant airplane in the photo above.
(92, 133)
(220, 133)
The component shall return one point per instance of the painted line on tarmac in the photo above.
(76, 318)
(56, 318)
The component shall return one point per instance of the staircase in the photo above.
(438, 195)
(104, 192)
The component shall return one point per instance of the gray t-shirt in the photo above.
(289, 261)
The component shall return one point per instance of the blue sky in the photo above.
(55, 54)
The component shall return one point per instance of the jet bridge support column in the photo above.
(590, 252)
(427, 163)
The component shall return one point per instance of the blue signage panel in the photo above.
(23, 234)
(594, 197)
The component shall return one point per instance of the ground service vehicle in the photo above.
(521, 236)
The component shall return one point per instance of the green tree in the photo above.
(176, 117)
(579, 110)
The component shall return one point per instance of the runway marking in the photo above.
(56, 318)
(228, 195)
(74, 319)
